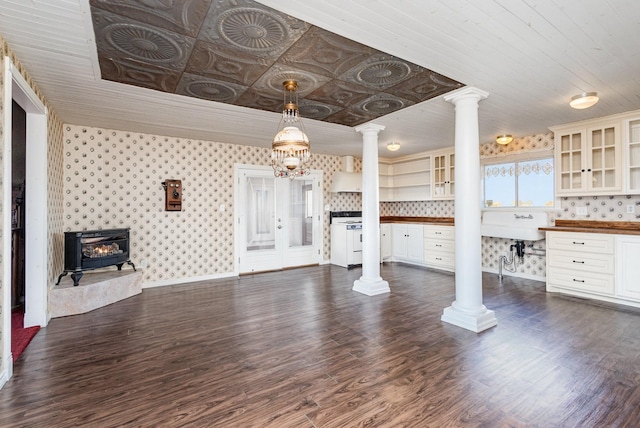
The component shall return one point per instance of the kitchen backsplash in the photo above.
(604, 208)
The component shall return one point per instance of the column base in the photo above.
(474, 322)
(371, 287)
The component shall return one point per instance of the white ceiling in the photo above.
(531, 56)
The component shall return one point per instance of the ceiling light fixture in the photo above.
(584, 100)
(290, 150)
(393, 146)
(504, 139)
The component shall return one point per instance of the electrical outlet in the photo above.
(631, 209)
(144, 264)
(581, 210)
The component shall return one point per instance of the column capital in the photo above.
(468, 92)
(369, 127)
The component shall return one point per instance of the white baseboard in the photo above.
(178, 281)
(8, 372)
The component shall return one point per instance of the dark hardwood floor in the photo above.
(298, 348)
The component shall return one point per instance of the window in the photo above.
(519, 184)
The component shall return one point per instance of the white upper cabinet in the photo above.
(632, 154)
(588, 158)
(443, 172)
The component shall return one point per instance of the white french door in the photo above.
(278, 220)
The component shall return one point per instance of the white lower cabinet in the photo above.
(424, 245)
(439, 247)
(407, 242)
(581, 262)
(628, 267)
(385, 242)
(594, 265)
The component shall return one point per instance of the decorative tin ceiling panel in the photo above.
(119, 37)
(138, 74)
(209, 89)
(322, 52)
(226, 64)
(180, 16)
(251, 27)
(239, 52)
(424, 86)
(341, 93)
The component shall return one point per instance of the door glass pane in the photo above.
(260, 213)
(300, 213)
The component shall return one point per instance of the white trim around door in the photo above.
(277, 221)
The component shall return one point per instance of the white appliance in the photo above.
(346, 238)
(347, 180)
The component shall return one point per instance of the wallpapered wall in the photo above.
(605, 208)
(113, 179)
(54, 201)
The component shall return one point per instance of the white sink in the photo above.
(516, 225)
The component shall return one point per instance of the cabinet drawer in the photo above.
(581, 281)
(439, 232)
(582, 261)
(588, 242)
(439, 259)
(439, 246)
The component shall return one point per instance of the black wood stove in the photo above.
(93, 249)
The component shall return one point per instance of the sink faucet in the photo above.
(530, 216)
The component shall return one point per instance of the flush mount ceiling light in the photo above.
(504, 139)
(393, 146)
(584, 100)
(290, 150)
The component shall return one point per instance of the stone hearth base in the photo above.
(96, 289)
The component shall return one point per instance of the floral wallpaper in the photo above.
(113, 179)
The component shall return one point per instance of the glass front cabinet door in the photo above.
(588, 159)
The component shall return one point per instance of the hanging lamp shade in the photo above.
(290, 150)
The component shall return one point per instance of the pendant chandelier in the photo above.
(290, 150)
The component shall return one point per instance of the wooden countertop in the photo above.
(594, 226)
(444, 221)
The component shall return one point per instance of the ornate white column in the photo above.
(370, 283)
(467, 310)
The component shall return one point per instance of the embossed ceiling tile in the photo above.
(381, 71)
(272, 80)
(139, 74)
(225, 64)
(349, 117)
(209, 89)
(251, 27)
(181, 16)
(340, 93)
(323, 52)
(316, 110)
(381, 104)
(426, 85)
(261, 100)
(125, 38)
